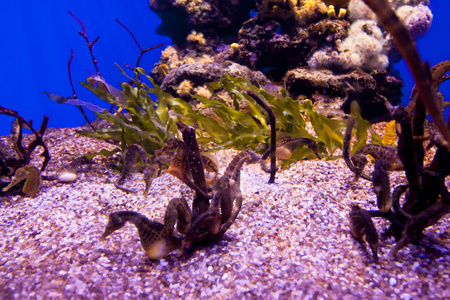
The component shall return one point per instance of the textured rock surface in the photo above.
(200, 73)
(211, 17)
(336, 91)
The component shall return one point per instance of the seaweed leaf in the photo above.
(103, 152)
(327, 130)
(361, 127)
(389, 136)
(74, 101)
(147, 116)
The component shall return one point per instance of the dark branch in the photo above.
(200, 203)
(273, 136)
(143, 51)
(89, 43)
(38, 134)
(74, 94)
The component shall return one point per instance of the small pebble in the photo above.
(67, 177)
(393, 281)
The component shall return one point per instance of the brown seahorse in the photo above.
(129, 161)
(358, 160)
(179, 167)
(286, 146)
(178, 212)
(32, 183)
(388, 154)
(381, 186)
(156, 238)
(227, 188)
(361, 226)
(226, 195)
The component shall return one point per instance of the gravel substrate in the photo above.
(291, 239)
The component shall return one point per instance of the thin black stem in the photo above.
(273, 135)
(143, 51)
(74, 94)
(89, 43)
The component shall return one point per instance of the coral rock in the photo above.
(215, 19)
(363, 48)
(200, 73)
(337, 91)
(417, 19)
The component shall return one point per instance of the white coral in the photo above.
(358, 10)
(363, 48)
(417, 19)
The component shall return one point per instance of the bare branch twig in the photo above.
(74, 94)
(38, 134)
(143, 51)
(89, 43)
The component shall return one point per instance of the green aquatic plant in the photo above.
(147, 116)
(289, 114)
(291, 118)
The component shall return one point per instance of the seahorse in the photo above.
(33, 182)
(129, 161)
(346, 152)
(381, 186)
(156, 238)
(286, 146)
(179, 167)
(358, 160)
(226, 203)
(361, 226)
(178, 212)
(387, 153)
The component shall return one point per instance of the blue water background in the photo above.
(37, 37)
